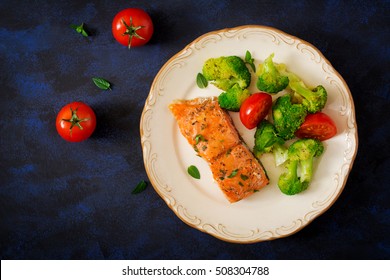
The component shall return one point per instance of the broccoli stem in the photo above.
(292, 168)
(280, 154)
(306, 169)
(301, 89)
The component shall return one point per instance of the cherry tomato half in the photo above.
(132, 27)
(318, 126)
(76, 122)
(255, 108)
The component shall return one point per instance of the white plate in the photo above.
(267, 214)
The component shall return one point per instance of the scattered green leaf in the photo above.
(249, 60)
(101, 83)
(140, 187)
(244, 177)
(201, 81)
(80, 29)
(193, 171)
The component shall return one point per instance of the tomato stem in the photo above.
(131, 31)
(74, 120)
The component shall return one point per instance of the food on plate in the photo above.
(226, 71)
(318, 126)
(201, 81)
(238, 173)
(76, 122)
(193, 171)
(250, 60)
(132, 27)
(209, 129)
(295, 113)
(300, 157)
(230, 74)
(254, 109)
(313, 99)
(233, 98)
(269, 77)
(267, 141)
(287, 116)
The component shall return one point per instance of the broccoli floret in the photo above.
(300, 158)
(287, 116)
(314, 100)
(233, 98)
(269, 78)
(289, 182)
(266, 141)
(226, 71)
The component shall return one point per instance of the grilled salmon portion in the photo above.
(238, 173)
(206, 126)
(210, 131)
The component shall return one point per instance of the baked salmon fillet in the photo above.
(209, 129)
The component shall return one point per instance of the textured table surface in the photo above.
(60, 200)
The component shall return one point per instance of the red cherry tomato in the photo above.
(255, 108)
(76, 122)
(318, 126)
(132, 27)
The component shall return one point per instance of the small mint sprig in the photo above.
(201, 81)
(193, 171)
(80, 29)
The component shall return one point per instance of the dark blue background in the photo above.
(61, 200)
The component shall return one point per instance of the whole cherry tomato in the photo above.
(76, 122)
(132, 27)
(318, 126)
(254, 109)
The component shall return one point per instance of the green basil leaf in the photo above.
(249, 60)
(101, 83)
(140, 187)
(193, 171)
(201, 81)
(248, 56)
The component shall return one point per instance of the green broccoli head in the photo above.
(289, 182)
(267, 140)
(304, 151)
(233, 98)
(269, 78)
(227, 71)
(314, 100)
(300, 156)
(287, 116)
